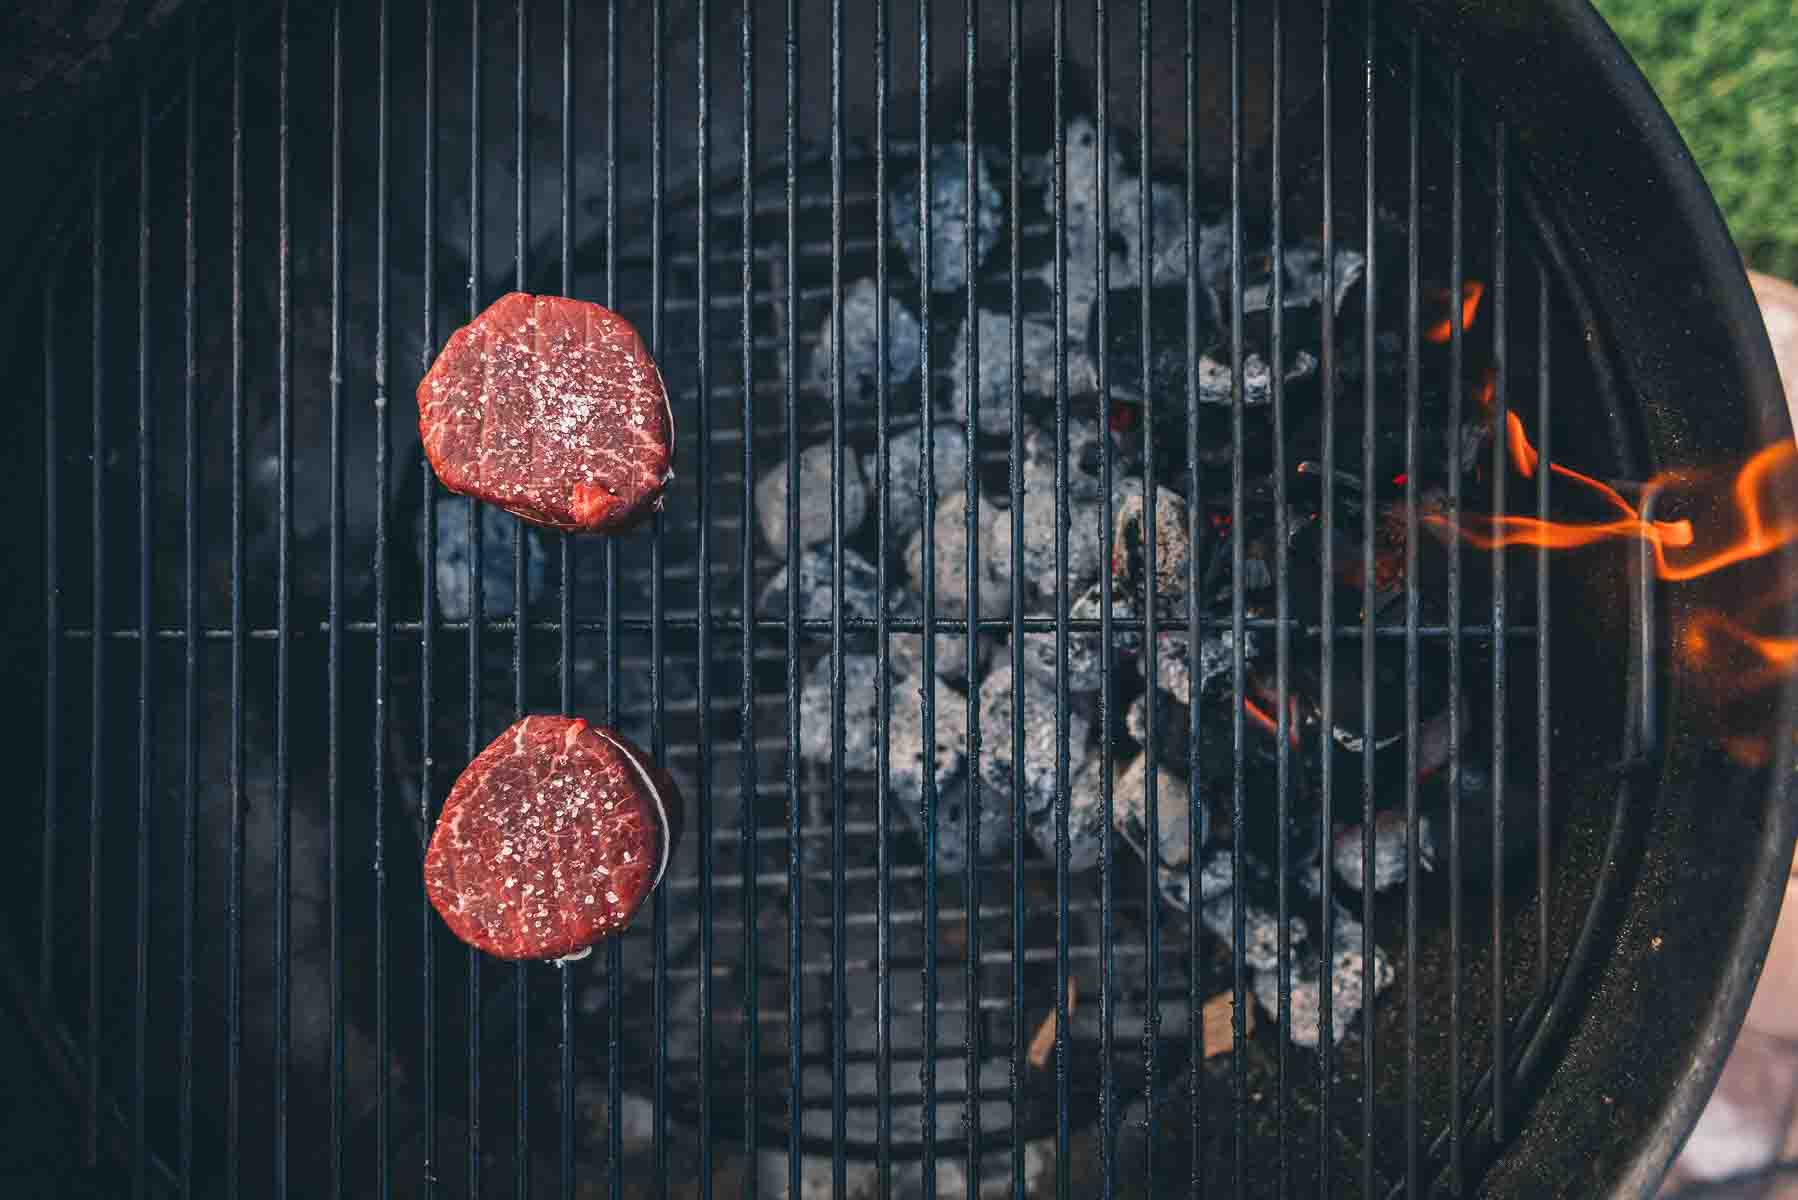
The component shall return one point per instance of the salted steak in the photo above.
(551, 409)
(550, 840)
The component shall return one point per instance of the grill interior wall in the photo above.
(633, 1035)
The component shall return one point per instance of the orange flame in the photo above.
(1267, 721)
(1442, 330)
(1758, 537)
(1261, 716)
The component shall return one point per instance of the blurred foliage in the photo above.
(1727, 70)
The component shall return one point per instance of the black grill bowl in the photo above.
(252, 688)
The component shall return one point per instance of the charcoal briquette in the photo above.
(992, 374)
(950, 546)
(1087, 829)
(905, 507)
(949, 216)
(1041, 739)
(861, 712)
(815, 496)
(499, 533)
(1390, 851)
(861, 361)
(817, 583)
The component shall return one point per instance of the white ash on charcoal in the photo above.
(1217, 379)
(861, 712)
(992, 375)
(950, 546)
(1041, 739)
(1167, 235)
(817, 491)
(1082, 667)
(1086, 513)
(949, 215)
(905, 453)
(861, 358)
(1347, 994)
(1173, 727)
(1304, 283)
(1129, 544)
(1087, 829)
(1167, 225)
(816, 573)
(1390, 850)
(907, 769)
(1174, 667)
(1173, 817)
(499, 532)
(1261, 930)
(951, 659)
(1085, 649)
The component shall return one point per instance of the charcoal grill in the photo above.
(259, 677)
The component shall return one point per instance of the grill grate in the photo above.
(807, 958)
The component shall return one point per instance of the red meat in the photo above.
(550, 840)
(551, 409)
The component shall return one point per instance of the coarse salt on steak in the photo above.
(550, 840)
(551, 409)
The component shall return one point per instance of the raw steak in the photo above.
(551, 839)
(552, 409)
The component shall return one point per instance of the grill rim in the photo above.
(1686, 205)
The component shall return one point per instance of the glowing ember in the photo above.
(1442, 330)
(1711, 637)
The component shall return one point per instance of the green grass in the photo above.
(1728, 72)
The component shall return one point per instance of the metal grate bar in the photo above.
(283, 947)
(1108, 1121)
(883, 1065)
(1456, 343)
(1500, 406)
(382, 381)
(1015, 475)
(191, 612)
(614, 951)
(1195, 1033)
(1544, 857)
(795, 896)
(731, 622)
(1413, 616)
(567, 1146)
(47, 926)
(96, 749)
(749, 855)
(839, 1002)
(971, 485)
(1326, 1040)
(428, 604)
(140, 982)
(1062, 797)
(1239, 795)
(1369, 700)
(521, 1086)
(472, 743)
(1282, 608)
(703, 523)
(334, 731)
(927, 489)
(234, 905)
(1152, 642)
(658, 744)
